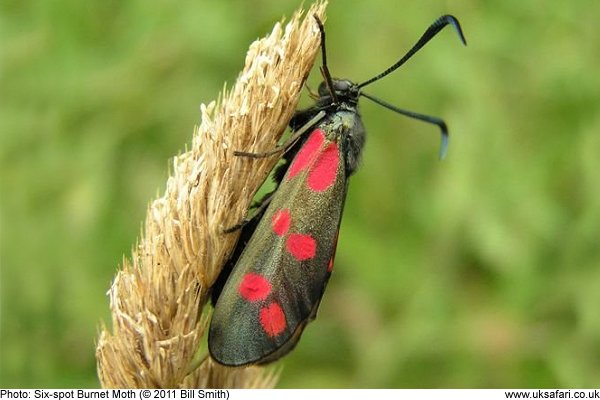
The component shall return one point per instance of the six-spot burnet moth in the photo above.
(286, 251)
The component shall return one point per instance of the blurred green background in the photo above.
(479, 271)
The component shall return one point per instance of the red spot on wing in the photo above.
(302, 247)
(254, 287)
(330, 265)
(281, 222)
(272, 319)
(307, 153)
(323, 172)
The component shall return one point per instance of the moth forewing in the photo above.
(281, 275)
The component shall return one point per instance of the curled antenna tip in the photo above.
(444, 146)
(445, 140)
(452, 20)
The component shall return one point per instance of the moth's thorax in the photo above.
(340, 123)
(345, 127)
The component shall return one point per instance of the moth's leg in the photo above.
(288, 144)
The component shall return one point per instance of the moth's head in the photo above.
(345, 90)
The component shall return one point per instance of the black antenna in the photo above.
(421, 117)
(433, 30)
(324, 69)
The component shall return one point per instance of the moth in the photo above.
(286, 253)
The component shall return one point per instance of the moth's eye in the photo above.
(323, 90)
